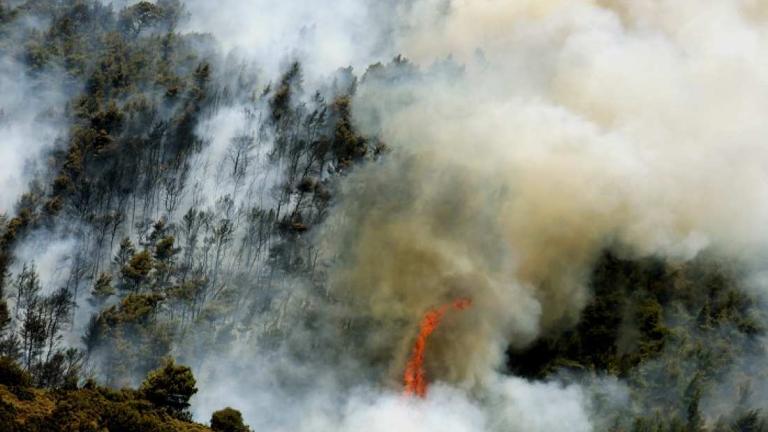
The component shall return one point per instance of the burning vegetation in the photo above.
(277, 223)
(415, 377)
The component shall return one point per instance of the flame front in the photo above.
(415, 377)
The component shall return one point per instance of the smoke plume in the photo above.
(523, 139)
(552, 131)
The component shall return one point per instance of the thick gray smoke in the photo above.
(525, 137)
(555, 129)
(573, 126)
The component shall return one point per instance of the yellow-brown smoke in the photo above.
(573, 126)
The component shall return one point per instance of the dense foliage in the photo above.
(157, 407)
(671, 332)
(228, 420)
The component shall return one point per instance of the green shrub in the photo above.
(12, 375)
(170, 388)
(228, 420)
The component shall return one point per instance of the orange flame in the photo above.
(415, 376)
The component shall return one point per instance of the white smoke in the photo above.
(564, 127)
(504, 404)
(573, 126)
(51, 254)
(30, 122)
(235, 160)
(531, 135)
(324, 38)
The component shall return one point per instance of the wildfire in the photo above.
(415, 377)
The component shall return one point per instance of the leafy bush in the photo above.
(12, 375)
(228, 420)
(170, 388)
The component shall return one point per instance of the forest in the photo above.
(198, 231)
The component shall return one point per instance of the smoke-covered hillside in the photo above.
(393, 215)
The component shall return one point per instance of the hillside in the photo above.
(81, 410)
(384, 215)
(90, 408)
